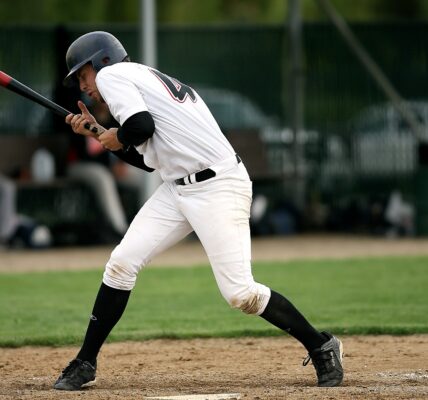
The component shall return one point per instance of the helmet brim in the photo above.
(70, 80)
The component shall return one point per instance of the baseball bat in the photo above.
(15, 86)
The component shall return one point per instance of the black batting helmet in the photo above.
(99, 48)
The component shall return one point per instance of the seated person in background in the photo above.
(89, 163)
(126, 175)
(18, 230)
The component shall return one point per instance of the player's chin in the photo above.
(97, 97)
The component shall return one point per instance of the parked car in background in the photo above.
(233, 110)
(243, 121)
(382, 141)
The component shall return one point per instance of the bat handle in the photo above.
(97, 129)
(93, 129)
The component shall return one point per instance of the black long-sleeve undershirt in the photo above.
(133, 157)
(136, 130)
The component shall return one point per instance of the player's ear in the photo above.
(105, 60)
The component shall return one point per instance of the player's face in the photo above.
(86, 76)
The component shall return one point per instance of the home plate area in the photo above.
(219, 396)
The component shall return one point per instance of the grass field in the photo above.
(380, 295)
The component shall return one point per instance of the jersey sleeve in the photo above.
(121, 96)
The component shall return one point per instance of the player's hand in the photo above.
(109, 140)
(78, 121)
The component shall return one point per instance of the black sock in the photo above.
(281, 313)
(108, 309)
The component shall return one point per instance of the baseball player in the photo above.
(165, 125)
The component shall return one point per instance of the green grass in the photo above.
(387, 295)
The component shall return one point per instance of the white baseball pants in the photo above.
(218, 210)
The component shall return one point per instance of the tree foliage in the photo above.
(201, 12)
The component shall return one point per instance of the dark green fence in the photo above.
(356, 149)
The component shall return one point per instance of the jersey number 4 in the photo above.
(178, 91)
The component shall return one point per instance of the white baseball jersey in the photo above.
(182, 120)
(186, 140)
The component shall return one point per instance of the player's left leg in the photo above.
(219, 213)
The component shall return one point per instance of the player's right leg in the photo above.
(157, 226)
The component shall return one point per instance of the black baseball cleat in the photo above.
(327, 361)
(76, 375)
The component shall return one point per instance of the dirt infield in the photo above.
(380, 367)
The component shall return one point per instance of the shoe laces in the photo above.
(321, 361)
(72, 364)
(306, 360)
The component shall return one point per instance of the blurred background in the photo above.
(326, 101)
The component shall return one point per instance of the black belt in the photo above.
(201, 175)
